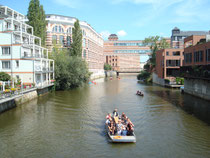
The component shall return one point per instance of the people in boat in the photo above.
(119, 127)
(112, 128)
(130, 128)
(124, 130)
(109, 119)
(123, 118)
(108, 116)
(115, 113)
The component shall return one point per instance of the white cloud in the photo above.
(121, 33)
(105, 34)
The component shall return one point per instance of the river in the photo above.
(70, 124)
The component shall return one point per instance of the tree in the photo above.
(37, 19)
(4, 76)
(76, 46)
(156, 43)
(70, 71)
(107, 67)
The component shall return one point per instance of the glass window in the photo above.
(84, 54)
(68, 40)
(62, 40)
(5, 50)
(17, 63)
(84, 42)
(5, 64)
(69, 30)
(167, 53)
(54, 39)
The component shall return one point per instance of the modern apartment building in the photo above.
(21, 54)
(59, 29)
(125, 55)
(168, 63)
(178, 36)
(196, 66)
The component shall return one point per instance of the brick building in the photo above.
(196, 66)
(125, 55)
(59, 29)
(178, 36)
(168, 63)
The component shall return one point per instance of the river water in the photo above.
(70, 124)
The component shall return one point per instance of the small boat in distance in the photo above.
(139, 93)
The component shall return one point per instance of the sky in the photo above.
(129, 19)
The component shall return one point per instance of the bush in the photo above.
(107, 67)
(4, 76)
(70, 71)
(143, 75)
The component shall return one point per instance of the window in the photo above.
(167, 53)
(198, 56)
(84, 54)
(207, 54)
(55, 29)
(188, 57)
(17, 63)
(5, 64)
(68, 40)
(84, 42)
(62, 40)
(69, 30)
(177, 53)
(5, 50)
(172, 63)
(54, 39)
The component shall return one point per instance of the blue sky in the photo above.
(130, 19)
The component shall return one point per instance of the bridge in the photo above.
(128, 70)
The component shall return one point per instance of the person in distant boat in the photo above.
(119, 127)
(124, 130)
(123, 118)
(130, 128)
(112, 128)
(115, 113)
(108, 116)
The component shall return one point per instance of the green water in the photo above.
(70, 124)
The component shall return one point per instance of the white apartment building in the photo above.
(59, 29)
(21, 54)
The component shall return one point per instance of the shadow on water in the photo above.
(198, 107)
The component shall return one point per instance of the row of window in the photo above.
(129, 44)
(68, 40)
(172, 63)
(177, 53)
(5, 50)
(7, 64)
(198, 56)
(60, 29)
(132, 51)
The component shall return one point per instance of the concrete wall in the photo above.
(197, 87)
(26, 97)
(157, 80)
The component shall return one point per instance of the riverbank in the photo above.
(24, 97)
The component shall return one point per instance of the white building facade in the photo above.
(59, 29)
(21, 54)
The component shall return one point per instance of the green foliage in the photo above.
(70, 71)
(4, 76)
(37, 19)
(179, 80)
(143, 75)
(76, 46)
(156, 43)
(107, 67)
